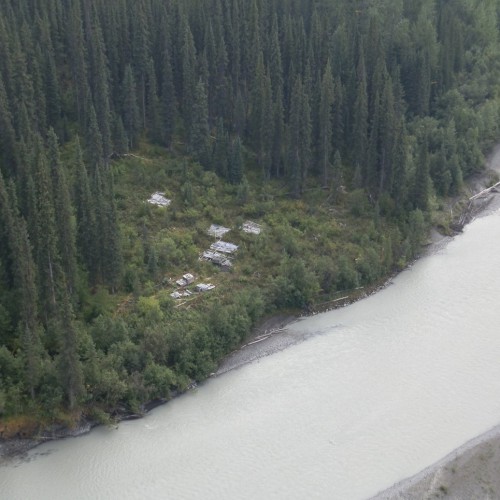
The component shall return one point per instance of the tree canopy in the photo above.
(386, 104)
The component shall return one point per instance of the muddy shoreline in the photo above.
(18, 447)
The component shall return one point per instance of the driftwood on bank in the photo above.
(472, 208)
(485, 191)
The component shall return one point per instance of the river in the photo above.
(378, 391)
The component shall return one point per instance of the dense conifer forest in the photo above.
(339, 125)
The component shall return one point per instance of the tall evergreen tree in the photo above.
(99, 80)
(387, 135)
(8, 149)
(400, 171)
(236, 163)
(141, 57)
(108, 264)
(360, 120)
(49, 74)
(199, 132)
(278, 135)
(69, 364)
(221, 150)
(153, 111)
(86, 230)
(25, 282)
(251, 42)
(131, 117)
(168, 100)
(221, 91)
(25, 119)
(325, 122)
(422, 178)
(338, 116)
(189, 86)
(48, 259)
(275, 62)
(63, 214)
(93, 147)
(37, 64)
(299, 138)
(77, 60)
(259, 121)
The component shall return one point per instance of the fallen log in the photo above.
(484, 191)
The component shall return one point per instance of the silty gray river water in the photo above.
(378, 391)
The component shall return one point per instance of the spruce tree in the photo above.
(93, 147)
(336, 186)
(325, 122)
(400, 171)
(70, 369)
(251, 43)
(168, 100)
(47, 62)
(221, 91)
(236, 163)
(25, 121)
(422, 179)
(36, 68)
(275, 62)
(189, 86)
(99, 81)
(46, 242)
(259, 121)
(387, 136)
(360, 119)
(209, 64)
(120, 139)
(239, 114)
(63, 215)
(199, 132)
(8, 149)
(108, 248)
(233, 31)
(6, 57)
(278, 135)
(338, 116)
(86, 229)
(130, 113)
(153, 116)
(221, 150)
(25, 283)
(141, 57)
(77, 60)
(299, 139)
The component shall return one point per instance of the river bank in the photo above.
(18, 446)
(271, 336)
(473, 469)
(470, 471)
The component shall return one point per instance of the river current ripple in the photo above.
(378, 391)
